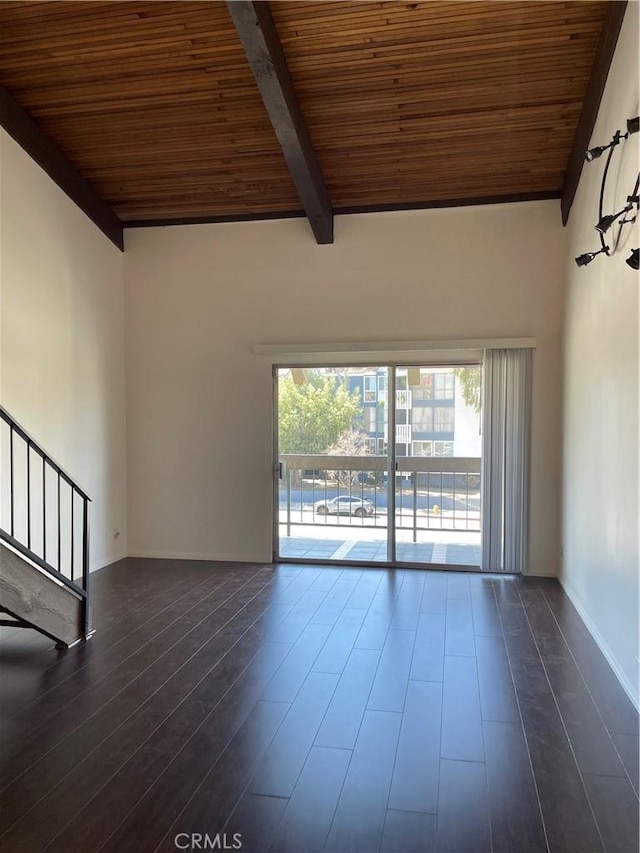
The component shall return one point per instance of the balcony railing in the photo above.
(403, 399)
(403, 433)
(430, 493)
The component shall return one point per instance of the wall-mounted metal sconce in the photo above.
(593, 153)
(634, 259)
(583, 260)
(606, 221)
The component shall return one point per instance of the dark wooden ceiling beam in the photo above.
(591, 104)
(41, 148)
(263, 49)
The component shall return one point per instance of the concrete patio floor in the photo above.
(446, 548)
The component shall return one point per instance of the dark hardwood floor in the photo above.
(312, 709)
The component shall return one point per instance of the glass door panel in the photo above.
(438, 455)
(332, 463)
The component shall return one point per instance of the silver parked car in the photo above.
(344, 506)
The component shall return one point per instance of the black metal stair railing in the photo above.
(37, 525)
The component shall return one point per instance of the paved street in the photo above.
(305, 495)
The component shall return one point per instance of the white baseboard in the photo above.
(627, 686)
(211, 557)
(113, 558)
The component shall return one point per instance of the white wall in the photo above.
(199, 297)
(62, 339)
(600, 502)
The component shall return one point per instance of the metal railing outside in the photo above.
(45, 514)
(336, 491)
(403, 433)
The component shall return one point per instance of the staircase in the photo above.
(44, 541)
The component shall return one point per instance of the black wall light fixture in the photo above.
(634, 259)
(606, 221)
(583, 260)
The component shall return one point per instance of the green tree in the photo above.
(313, 416)
(471, 383)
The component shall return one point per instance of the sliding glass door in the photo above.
(332, 464)
(438, 457)
(345, 492)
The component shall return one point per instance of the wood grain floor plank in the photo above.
(514, 619)
(359, 819)
(628, 747)
(327, 579)
(335, 652)
(408, 832)
(301, 614)
(434, 597)
(342, 721)
(516, 818)
(567, 815)
(309, 813)
(278, 771)
(407, 609)
(615, 805)
(461, 716)
(255, 820)
(506, 589)
(24, 661)
(592, 745)
(486, 620)
(390, 684)
(290, 677)
(365, 589)
(463, 808)
(376, 623)
(427, 663)
(414, 786)
(335, 601)
(458, 586)
(459, 636)
(497, 694)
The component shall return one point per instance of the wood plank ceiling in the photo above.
(406, 103)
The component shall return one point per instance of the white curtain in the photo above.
(506, 428)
